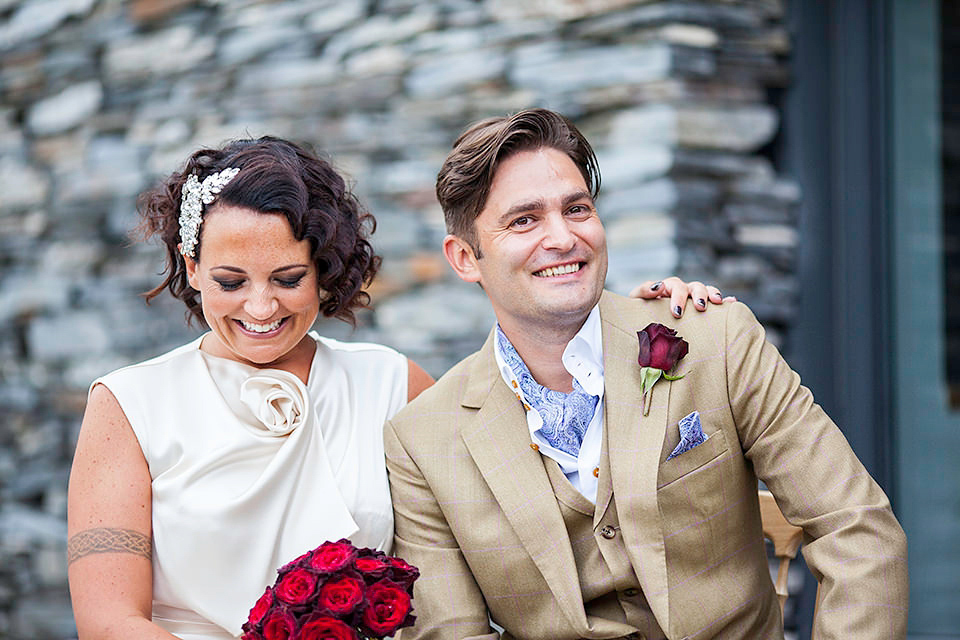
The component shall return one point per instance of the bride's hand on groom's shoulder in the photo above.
(679, 292)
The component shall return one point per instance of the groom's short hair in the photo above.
(463, 183)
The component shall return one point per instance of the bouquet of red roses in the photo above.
(335, 592)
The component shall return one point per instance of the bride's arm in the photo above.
(417, 380)
(109, 526)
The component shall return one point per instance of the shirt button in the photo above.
(535, 446)
(608, 532)
(631, 592)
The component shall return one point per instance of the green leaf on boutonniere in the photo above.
(648, 378)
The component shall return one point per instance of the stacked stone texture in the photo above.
(100, 98)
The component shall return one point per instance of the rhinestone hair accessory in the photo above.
(195, 195)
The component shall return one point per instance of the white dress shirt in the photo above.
(583, 359)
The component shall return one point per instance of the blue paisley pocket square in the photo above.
(691, 434)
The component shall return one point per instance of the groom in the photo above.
(542, 484)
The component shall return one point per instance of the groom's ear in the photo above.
(461, 257)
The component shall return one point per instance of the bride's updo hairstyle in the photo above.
(276, 177)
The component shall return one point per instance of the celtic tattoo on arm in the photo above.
(102, 540)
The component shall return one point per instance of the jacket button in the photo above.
(608, 532)
(631, 592)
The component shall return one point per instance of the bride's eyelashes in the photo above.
(228, 285)
(291, 283)
(233, 285)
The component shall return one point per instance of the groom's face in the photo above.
(543, 248)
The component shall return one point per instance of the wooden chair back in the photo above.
(786, 540)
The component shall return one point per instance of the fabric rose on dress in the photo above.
(278, 399)
(332, 556)
(296, 587)
(660, 351)
(388, 607)
(326, 628)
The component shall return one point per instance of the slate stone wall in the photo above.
(102, 97)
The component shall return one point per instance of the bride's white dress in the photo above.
(251, 468)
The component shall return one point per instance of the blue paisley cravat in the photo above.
(566, 416)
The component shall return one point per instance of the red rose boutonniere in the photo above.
(335, 591)
(660, 350)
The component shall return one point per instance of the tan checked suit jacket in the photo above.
(475, 509)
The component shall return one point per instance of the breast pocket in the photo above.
(690, 488)
(692, 461)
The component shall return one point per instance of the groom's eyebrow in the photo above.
(538, 204)
(576, 196)
(521, 207)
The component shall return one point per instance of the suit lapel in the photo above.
(499, 442)
(634, 445)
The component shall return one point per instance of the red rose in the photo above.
(399, 563)
(660, 347)
(326, 628)
(371, 566)
(279, 624)
(402, 573)
(332, 556)
(261, 607)
(388, 606)
(341, 595)
(295, 587)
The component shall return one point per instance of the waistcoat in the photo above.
(612, 596)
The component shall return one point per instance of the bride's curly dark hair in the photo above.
(276, 177)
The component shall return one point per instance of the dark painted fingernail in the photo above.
(656, 285)
(702, 302)
(678, 311)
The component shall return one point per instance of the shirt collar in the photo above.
(582, 358)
